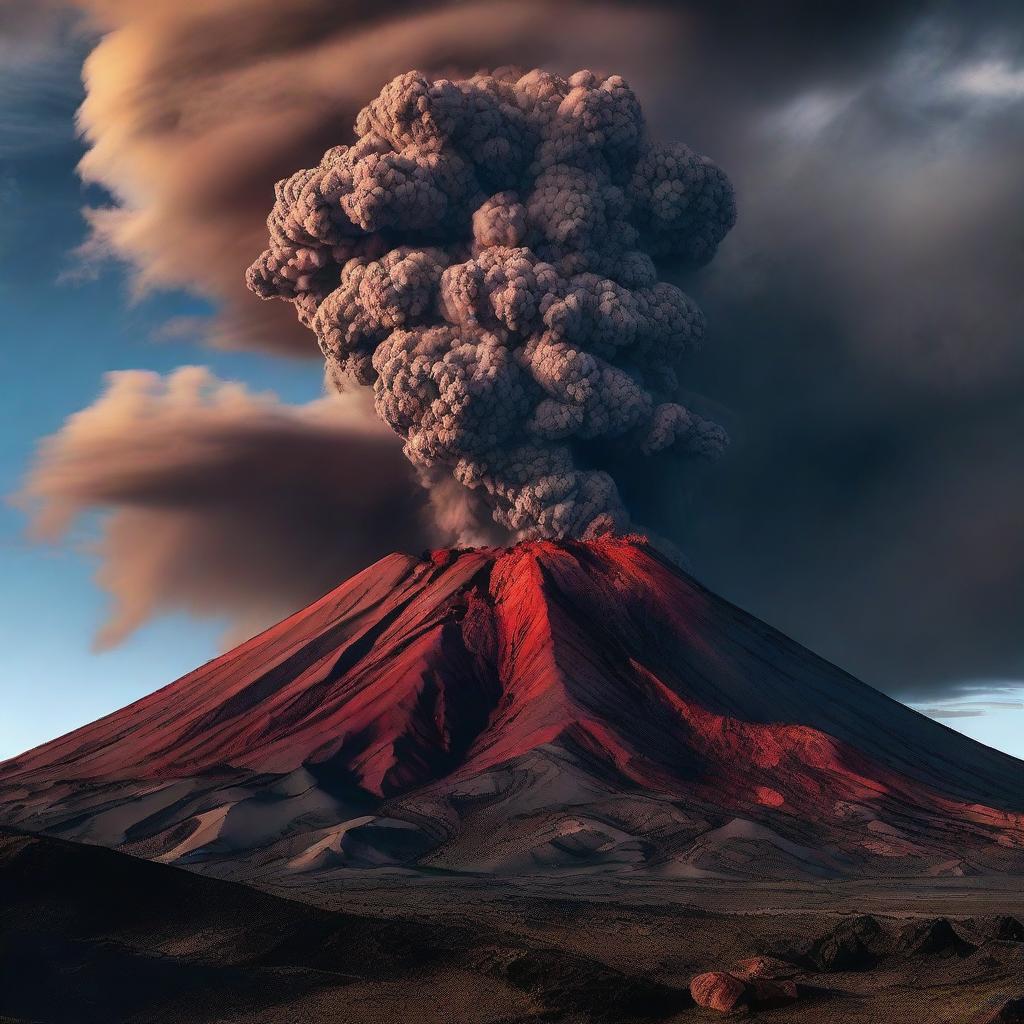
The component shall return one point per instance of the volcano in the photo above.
(552, 707)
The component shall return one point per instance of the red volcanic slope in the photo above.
(419, 675)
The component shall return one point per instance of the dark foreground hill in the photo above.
(92, 936)
(541, 709)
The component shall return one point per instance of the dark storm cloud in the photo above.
(220, 502)
(866, 323)
(865, 348)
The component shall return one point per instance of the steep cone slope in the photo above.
(549, 706)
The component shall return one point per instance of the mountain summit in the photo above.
(552, 706)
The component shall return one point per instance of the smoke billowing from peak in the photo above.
(213, 500)
(483, 257)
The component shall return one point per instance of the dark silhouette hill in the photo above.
(92, 936)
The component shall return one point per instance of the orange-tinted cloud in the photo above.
(221, 502)
(194, 111)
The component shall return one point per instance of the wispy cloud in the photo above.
(993, 79)
(40, 86)
(987, 702)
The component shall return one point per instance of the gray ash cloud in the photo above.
(483, 257)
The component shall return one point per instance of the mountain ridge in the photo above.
(576, 704)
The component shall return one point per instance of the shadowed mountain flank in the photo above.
(553, 706)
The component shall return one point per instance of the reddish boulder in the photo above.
(722, 991)
(764, 967)
(717, 990)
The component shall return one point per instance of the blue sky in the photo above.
(60, 332)
(59, 337)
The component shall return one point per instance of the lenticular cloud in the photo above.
(483, 258)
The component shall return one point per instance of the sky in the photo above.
(863, 349)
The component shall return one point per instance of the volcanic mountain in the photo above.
(548, 707)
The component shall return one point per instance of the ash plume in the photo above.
(483, 257)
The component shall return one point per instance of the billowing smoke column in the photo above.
(483, 257)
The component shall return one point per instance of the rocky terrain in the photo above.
(92, 936)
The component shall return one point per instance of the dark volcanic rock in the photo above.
(718, 990)
(1000, 928)
(854, 944)
(91, 936)
(764, 967)
(1005, 1011)
(725, 991)
(924, 938)
(576, 985)
(1006, 929)
(862, 943)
